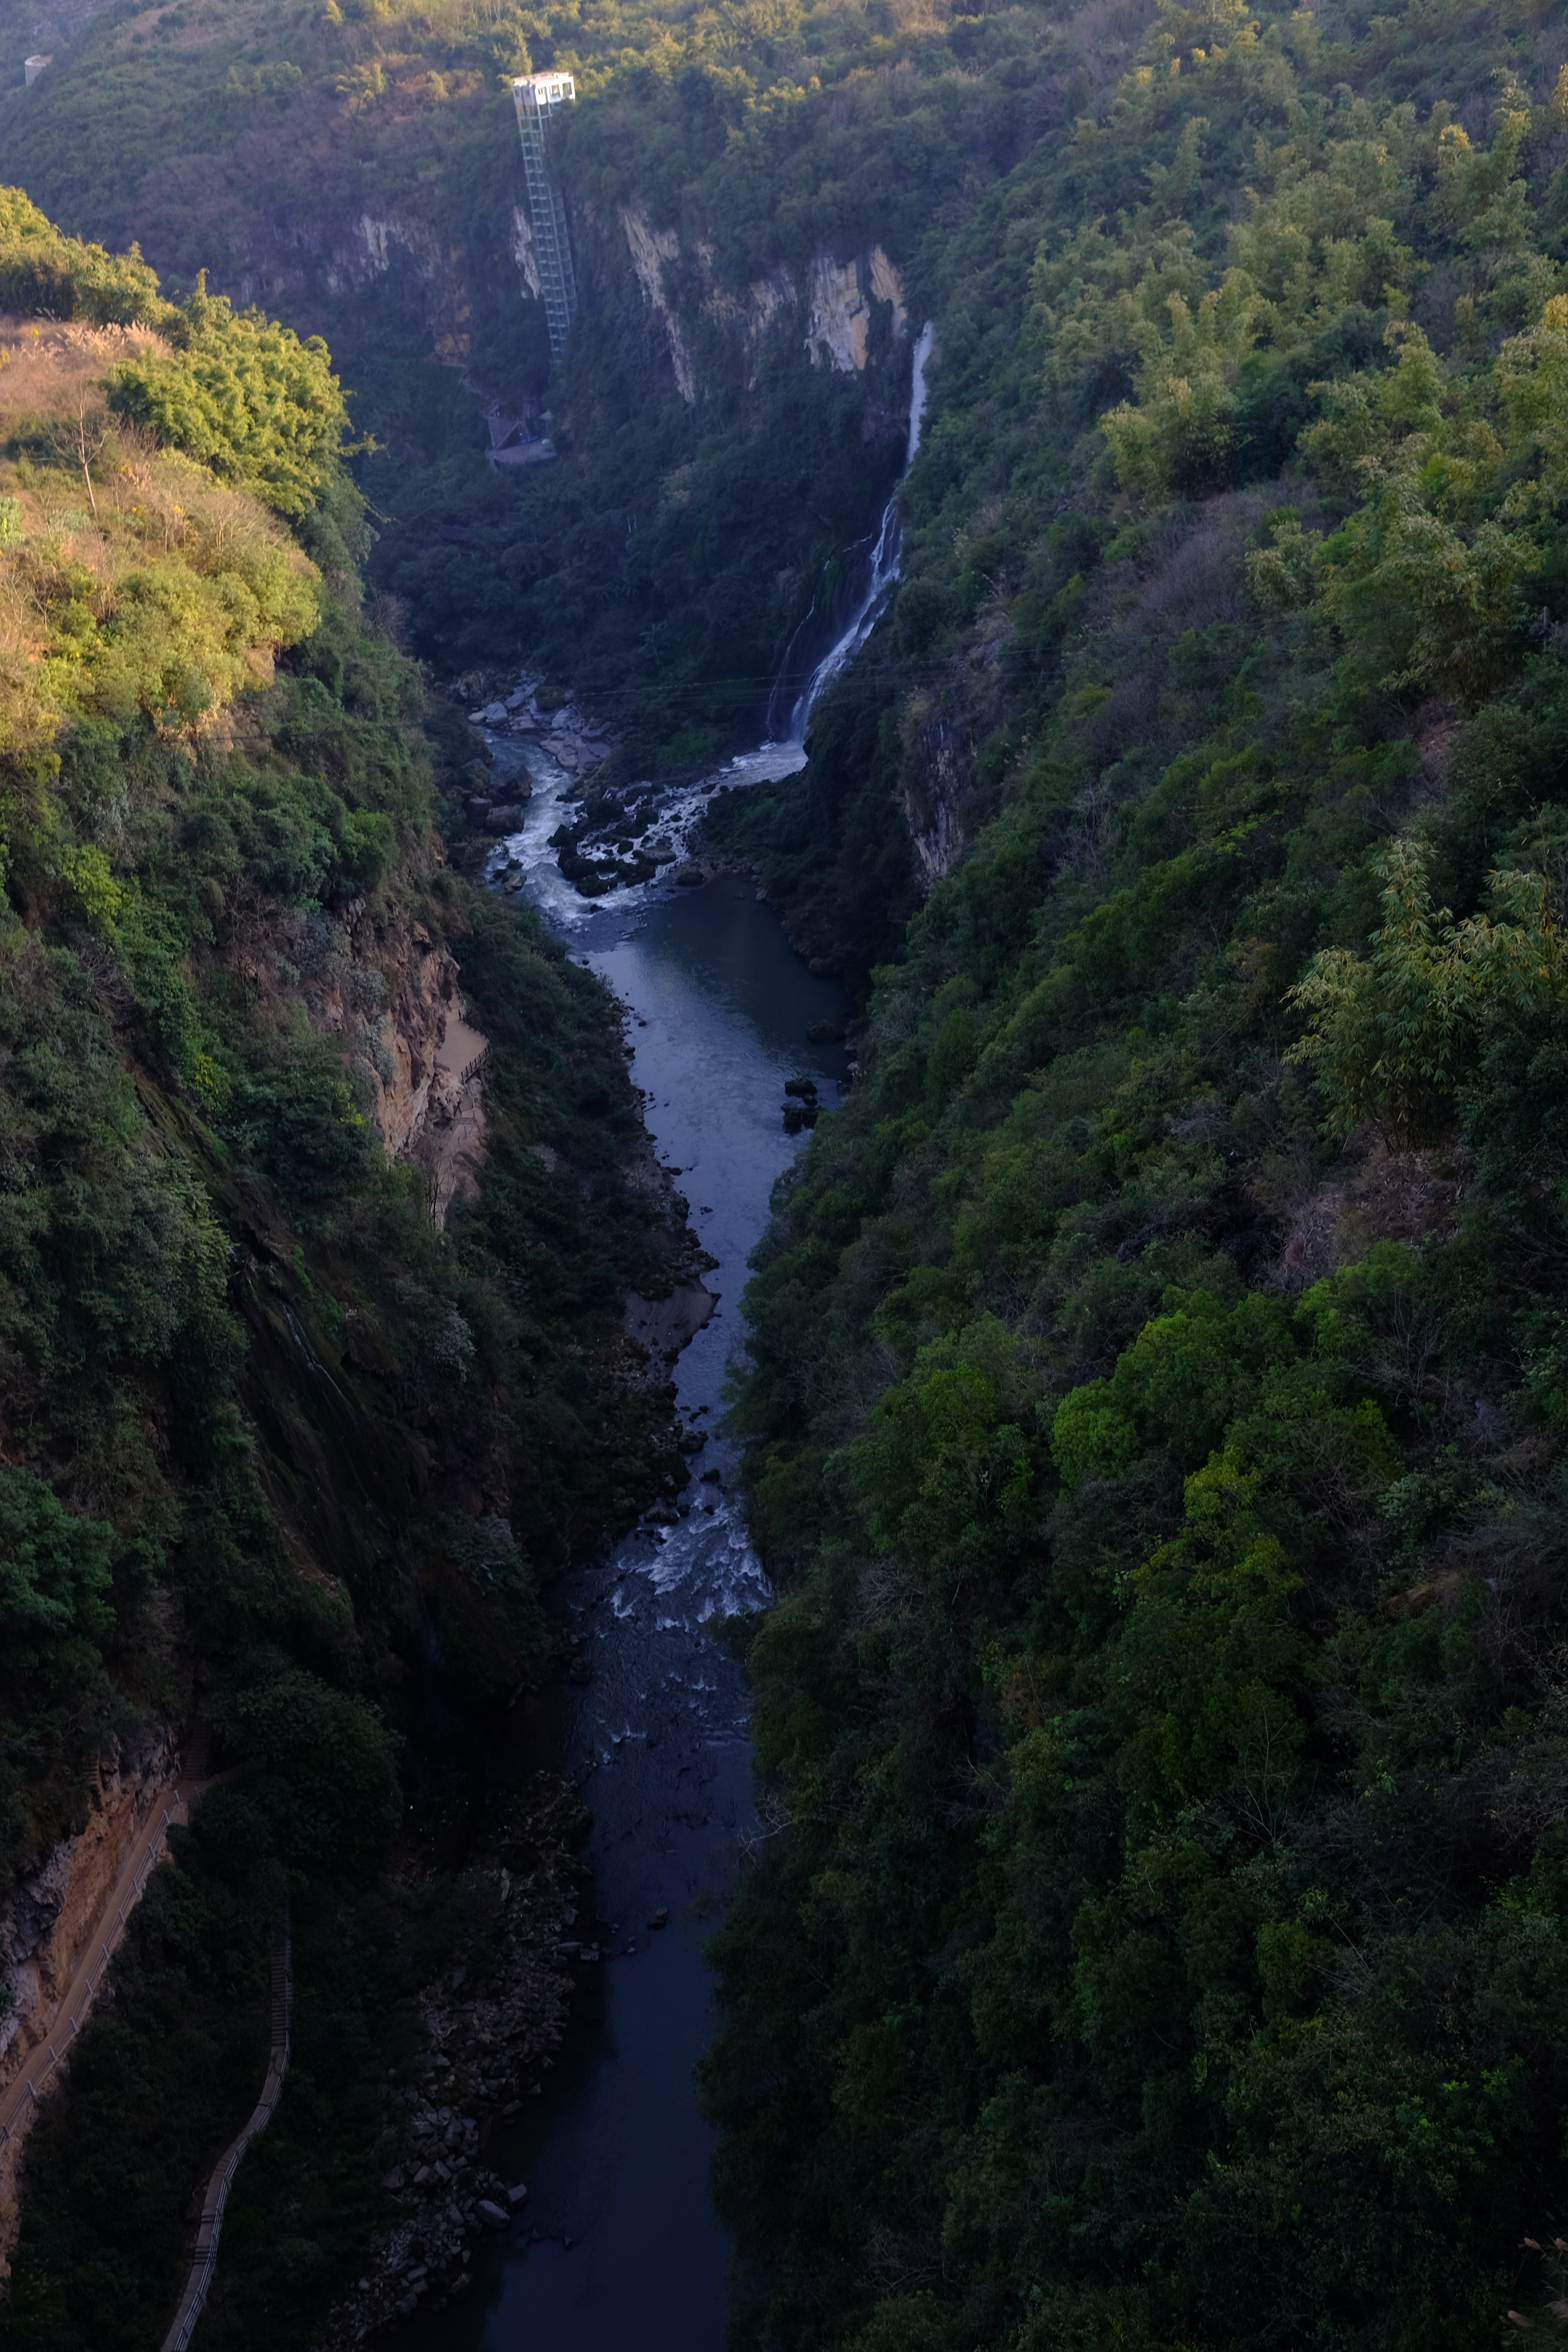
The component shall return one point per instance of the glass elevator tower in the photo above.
(536, 97)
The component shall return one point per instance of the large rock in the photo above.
(665, 1325)
(508, 818)
(490, 2212)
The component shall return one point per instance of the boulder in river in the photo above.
(508, 818)
(665, 1325)
(488, 2211)
(804, 1087)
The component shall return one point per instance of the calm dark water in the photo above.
(614, 2155)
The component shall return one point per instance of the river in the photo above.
(614, 2154)
(619, 2243)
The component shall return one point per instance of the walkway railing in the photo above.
(228, 2163)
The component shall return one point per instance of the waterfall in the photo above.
(884, 559)
(924, 347)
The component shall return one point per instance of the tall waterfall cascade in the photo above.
(536, 98)
(884, 558)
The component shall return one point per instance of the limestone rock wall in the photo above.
(322, 260)
(936, 773)
(389, 993)
(832, 309)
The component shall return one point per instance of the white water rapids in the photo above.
(526, 861)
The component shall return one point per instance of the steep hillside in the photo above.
(1160, 1366)
(732, 409)
(311, 1347)
(1157, 1403)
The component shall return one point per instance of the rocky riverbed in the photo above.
(565, 733)
(538, 819)
(491, 2023)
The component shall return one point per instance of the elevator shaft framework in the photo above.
(536, 98)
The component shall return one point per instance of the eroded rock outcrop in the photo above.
(421, 1057)
(936, 773)
(650, 248)
(833, 311)
(390, 994)
(397, 242)
(839, 315)
(47, 1921)
(54, 1918)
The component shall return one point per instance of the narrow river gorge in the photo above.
(949, 1733)
(618, 2238)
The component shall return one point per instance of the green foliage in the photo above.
(326, 1778)
(1155, 1415)
(54, 1582)
(228, 1325)
(1389, 1037)
(158, 2082)
(243, 396)
(43, 274)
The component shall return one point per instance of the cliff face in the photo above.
(47, 1921)
(312, 260)
(332, 219)
(849, 314)
(422, 1058)
(395, 243)
(381, 986)
(935, 773)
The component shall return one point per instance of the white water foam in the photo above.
(704, 1568)
(918, 393)
(555, 791)
(884, 558)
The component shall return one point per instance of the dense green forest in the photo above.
(1158, 1367)
(278, 1457)
(1158, 1377)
